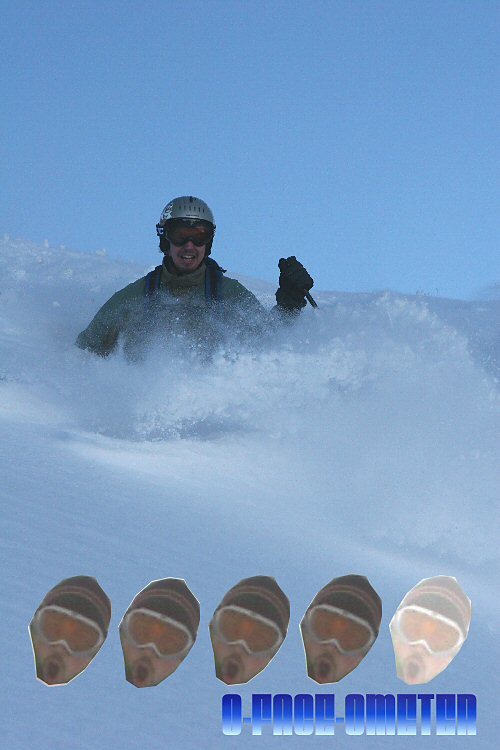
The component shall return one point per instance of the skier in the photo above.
(188, 292)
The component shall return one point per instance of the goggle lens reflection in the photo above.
(59, 625)
(330, 624)
(236, 625)
(439, 633)
(148, 628)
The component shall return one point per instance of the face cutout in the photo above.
(158, 631)
(429, 628)
(248, 628)
(339, 627)
(68, 629)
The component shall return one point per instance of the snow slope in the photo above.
(363, 439)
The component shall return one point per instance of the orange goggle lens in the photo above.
(437, 632)
(77, 632)
(350, 633)
(239, 625)
(151, 629)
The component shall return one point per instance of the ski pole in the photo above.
(310, 299)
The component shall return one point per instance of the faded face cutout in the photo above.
(429, 629)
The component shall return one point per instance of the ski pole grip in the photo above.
(283, 264)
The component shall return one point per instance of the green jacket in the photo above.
(179, 307)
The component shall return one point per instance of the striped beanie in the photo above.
(262, 595)
(355, 595)
(171, 597)
(83, 595)
(443, 595)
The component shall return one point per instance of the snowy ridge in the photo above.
(360, 440)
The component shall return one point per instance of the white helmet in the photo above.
(186, 209)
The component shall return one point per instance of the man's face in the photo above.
(188, 245)
(424, 642)
(414, 664)
(233, 664)
(187, 257)
(244, 643)
(153, 646)
(143, 667)
(335, 641)
(54, 664)
(326, 663)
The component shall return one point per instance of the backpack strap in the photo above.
(213, 276)
(152, 282)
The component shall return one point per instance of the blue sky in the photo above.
(360, 136)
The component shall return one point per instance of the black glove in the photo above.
(294, 282)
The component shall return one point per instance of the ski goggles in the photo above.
(79, 635)
(331, 625)
(180, 236)
(168, 638)
(239, 626)
(437, 633)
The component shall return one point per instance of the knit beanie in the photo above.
(83, 595)
(355, 595)
(171, 597)
(263, 596)
(443, 595)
